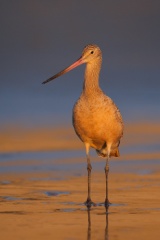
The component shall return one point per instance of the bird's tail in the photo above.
(103, 152)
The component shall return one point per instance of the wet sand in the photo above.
(53, 209)
(48, 204)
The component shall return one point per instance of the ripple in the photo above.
(55, 193)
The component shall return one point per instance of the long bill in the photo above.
(72, 66)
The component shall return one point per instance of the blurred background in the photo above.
(39, 38)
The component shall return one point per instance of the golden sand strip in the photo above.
(19, 139)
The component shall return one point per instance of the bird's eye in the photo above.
(92, 52)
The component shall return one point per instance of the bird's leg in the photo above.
(106, 173)
(89, 169)
(89, 202)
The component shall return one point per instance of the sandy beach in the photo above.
(39, 203)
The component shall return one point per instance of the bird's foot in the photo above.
(89, 203)
(107, 203)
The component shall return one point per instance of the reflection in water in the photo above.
(106, 228)
(89, 224)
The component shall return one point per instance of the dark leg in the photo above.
(89, 202)
(106, 173)
(89, 169)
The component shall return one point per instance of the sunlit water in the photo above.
(49, 161)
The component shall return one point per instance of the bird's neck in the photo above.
(91, 77)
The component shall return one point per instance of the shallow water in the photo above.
(54, 209)
(65, 161)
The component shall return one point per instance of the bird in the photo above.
(96, 118)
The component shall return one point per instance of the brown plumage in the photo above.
(96, 119)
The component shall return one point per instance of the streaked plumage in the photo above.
(96, 119)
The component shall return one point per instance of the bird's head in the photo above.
(90, 54)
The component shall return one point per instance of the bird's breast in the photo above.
(97, 120)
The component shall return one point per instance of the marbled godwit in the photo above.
(96, 119)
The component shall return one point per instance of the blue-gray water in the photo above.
(49, 161)
(52, 103)
(37, 40)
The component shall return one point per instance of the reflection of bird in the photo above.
(106, 235)
(96, 119)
